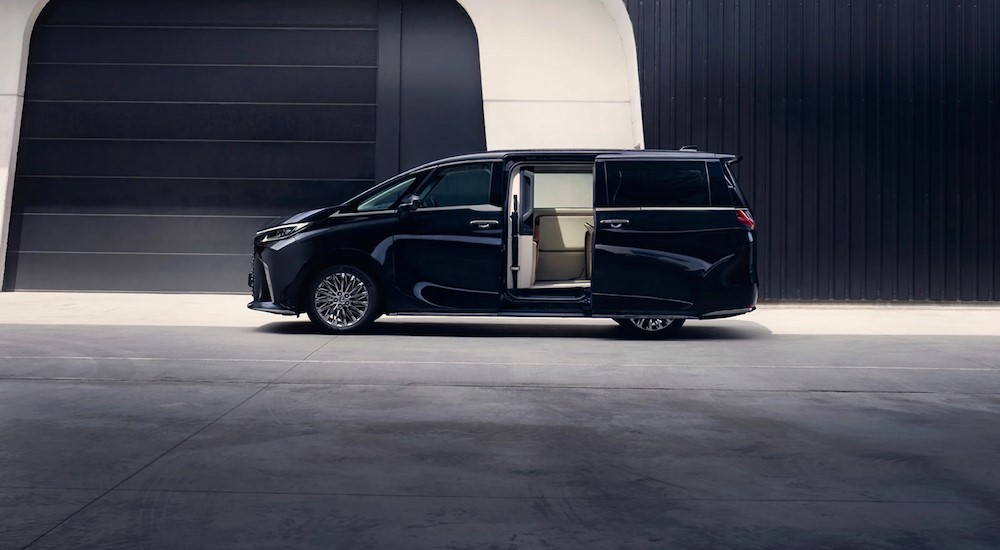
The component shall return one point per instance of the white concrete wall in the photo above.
(558, 73)
(17, 17)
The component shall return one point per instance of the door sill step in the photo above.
(558, 285)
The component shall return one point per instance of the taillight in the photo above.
(746, 220)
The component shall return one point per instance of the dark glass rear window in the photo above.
(718, 185)
(657, 183)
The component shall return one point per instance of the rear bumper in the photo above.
(727, 313)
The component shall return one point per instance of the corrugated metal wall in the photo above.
(870, 131)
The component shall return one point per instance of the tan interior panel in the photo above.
(562, 229)
(562, 235)
(560, 266)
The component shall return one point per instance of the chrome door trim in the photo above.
(664, 208)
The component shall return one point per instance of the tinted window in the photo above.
(657, 183)
(468, 184)
(718, 185)
(738, 197)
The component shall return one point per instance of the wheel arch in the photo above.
(353, 258)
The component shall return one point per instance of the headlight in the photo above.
(280, 232)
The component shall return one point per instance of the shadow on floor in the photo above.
(557, 328)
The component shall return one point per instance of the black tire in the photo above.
(633, 328)
(343, 300)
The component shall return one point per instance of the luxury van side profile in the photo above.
(647, 238)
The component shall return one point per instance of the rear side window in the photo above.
(719, 186)
(657, 183)
(666, 184)
(738, 197)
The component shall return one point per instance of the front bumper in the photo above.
(270, 307)
(262, 288)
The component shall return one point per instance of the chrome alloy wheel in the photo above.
(342, 299)
(652, 324)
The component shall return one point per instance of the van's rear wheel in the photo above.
(343, 299)
(650, 327)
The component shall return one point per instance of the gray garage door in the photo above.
(157, 136)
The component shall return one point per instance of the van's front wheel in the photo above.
(343, 299)
(650, 327)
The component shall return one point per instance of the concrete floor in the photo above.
(769, 430)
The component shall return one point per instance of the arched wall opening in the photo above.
(558, 74)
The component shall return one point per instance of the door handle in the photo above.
(484, 224)
(615, 224)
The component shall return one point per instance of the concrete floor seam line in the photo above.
(296, 361)
(501, 497)
(509, 387)
(822, 367)
(172, 448)
(163, 454)
(307, 357)
(134, 380)
(296, 365)
(140, 470)
(629, 388)
(922, 343)
(984, 368)
(160, 456)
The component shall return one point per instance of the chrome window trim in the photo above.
(476, 207)
(422, 209)
(358, 214)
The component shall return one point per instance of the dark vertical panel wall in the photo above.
(157, 136)
(870, 131)
(441, 93)
(430, 84)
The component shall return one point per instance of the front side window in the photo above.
(657, 183)
(383, 200)
(464, 185)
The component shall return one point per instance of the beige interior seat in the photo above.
(562, 236)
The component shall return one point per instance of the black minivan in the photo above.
(647, 238)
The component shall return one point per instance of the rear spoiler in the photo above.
(735, 160)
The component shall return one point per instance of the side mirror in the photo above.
(410, 204)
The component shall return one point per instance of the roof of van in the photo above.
(582, 154)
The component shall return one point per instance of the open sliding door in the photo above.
(667, 239)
